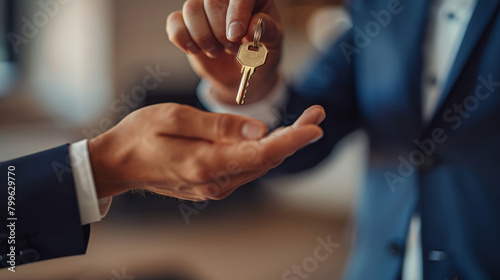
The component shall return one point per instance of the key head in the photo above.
(250, 57)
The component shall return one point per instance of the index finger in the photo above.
(189, 122)
(268, 152)
(286, 142)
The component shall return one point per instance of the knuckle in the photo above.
(174, 18)
(174, 27)
(218, 7)
(199, 174)
(203, 38)
(216, 12)
(172, 115)
(176, 37)
(237, 12)
(222, 125)
(169, 106)
(174, 110)
(192, 7)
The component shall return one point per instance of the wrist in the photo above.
(103, 167)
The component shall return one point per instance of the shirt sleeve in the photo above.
(268, 110)
(91, 208)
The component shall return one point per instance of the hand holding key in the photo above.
(211, 31)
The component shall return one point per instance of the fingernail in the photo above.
(235, 30)
(253, 130)
(321, 118)
(192, 48)
(317, 139)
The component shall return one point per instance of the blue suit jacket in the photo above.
(448, 170)
(48, 220)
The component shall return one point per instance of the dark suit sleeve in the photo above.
(46, 207)
(330, 82)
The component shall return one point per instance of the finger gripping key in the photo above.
(250, 58)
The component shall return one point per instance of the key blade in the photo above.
(247, 74)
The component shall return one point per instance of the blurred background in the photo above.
(70, 70)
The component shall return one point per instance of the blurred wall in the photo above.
(140, 41)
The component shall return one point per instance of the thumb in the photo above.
(238, 17)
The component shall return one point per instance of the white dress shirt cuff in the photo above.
(91, 209)
(268, 110)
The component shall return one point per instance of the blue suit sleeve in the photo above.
(46, 207)
(329, 82)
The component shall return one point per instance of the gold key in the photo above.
(250, 59)
(251, 56)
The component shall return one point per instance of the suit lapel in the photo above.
(411, 36)
(483, 13)
(392, 67)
